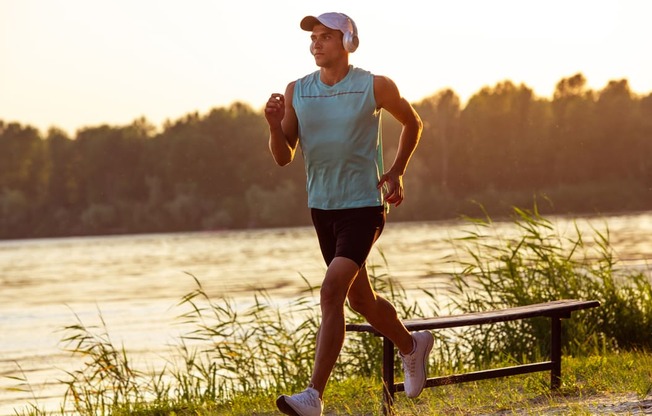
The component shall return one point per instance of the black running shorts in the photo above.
(348, 233)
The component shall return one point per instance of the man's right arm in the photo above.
(283, 126)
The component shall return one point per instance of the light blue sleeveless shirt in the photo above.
(340, 138)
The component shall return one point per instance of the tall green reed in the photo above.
(107, 380)
(539, 264)
(253, 348)
(32, 408)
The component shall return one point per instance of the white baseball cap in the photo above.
(333, 20)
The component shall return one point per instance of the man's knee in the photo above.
(331, 295)
(339, 276)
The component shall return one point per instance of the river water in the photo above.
(135, 282)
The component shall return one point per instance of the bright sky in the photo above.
(80, 63)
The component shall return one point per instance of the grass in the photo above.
(588, 382)
(235, 361)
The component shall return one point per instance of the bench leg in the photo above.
(555, 352)
(388, 376)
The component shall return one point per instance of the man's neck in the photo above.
(333, 75)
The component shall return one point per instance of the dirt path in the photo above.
(629, 404)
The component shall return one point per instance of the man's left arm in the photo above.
(389, 98)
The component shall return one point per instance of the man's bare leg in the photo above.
(379, 312)
(339, 276)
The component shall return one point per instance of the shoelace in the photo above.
(307, 398)
(409, 364)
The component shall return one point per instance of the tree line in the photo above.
(581, 151)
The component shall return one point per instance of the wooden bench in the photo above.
(555, 310)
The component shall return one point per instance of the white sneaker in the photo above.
(306, 403)
(415, 365)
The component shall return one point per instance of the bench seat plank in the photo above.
(558, 308)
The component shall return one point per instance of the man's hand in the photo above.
(392, 185)
(275, 109)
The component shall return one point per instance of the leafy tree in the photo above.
(108, 163)
(14, 212)
(441, 116)
(62, 189)
(572, 131)
(501, 133)
(644, 133)
(616, 143)
(22, 157)
(585, 150)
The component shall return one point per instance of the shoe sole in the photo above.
(285, 407)
(426, 354)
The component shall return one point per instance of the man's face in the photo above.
(326, 44)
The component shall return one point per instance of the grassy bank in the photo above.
(234, 361)
(612, 383)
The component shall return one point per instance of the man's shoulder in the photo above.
(382, 78)
(361, 70)
(379, 80)
(310, 76)
(382, 81)
(362, 73)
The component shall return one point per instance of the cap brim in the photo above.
(309, 22)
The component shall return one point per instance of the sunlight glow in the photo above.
(77, 63)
